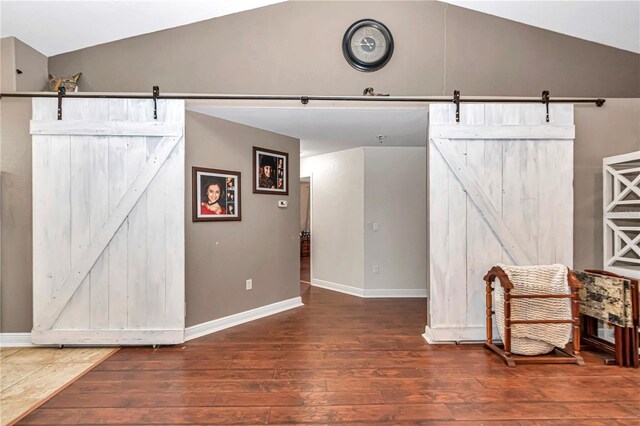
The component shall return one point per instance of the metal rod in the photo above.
(303, 99)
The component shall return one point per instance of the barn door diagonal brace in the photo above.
(72, 282)
(477, 194)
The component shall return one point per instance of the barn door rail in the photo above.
(304, 100)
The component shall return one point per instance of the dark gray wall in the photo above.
(295, 48)
(263, 246)
(15, 216)
(600, 132)
(33, 65)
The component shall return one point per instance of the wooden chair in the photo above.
(562, 356)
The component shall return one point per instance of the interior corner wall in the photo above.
(337, 218)
(603, 132)
(15, 216)
(395, 197)
(8, 64)
(264, 246)
(34, 67)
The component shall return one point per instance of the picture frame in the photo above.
(270, 171)
(215, 195)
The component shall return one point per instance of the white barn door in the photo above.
(108, 222)
(500, 190)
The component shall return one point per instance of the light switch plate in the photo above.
(283, 204)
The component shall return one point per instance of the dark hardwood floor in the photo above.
(339, 359)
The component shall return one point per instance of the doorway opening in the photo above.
(365, 231)
(305, 230)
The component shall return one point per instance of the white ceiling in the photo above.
(57, 26)
(329, 129)
(613, 23)
(53, 27)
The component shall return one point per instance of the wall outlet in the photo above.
(376, 269)
(249, 284)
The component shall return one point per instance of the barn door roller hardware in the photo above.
(61, 93)
(545, 100)
(456, 100)
(156, 95)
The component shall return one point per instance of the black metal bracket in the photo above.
(456, 100)
(600, 102)
(61, 94)
(304, 100)
(156, 95)
(545, 100)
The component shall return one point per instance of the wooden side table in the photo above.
(625, 347)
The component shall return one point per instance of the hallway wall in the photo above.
(337, 250)
(395, 197)
(352, 189)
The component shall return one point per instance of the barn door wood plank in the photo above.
(484, 249)
(105, 128)
(76, 315)
(501, 132)
(66, 290)
(175, 239)
(99, 187)
(155, 289)
(483, 202)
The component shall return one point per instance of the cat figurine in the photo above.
(69, 83)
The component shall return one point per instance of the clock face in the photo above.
(367, 45)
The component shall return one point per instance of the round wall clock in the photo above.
(367, 45)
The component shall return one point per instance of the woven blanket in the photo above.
(535, 339)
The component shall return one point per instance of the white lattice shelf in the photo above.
(621, 215)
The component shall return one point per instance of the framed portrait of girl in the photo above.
(270, 171)
(216, 195)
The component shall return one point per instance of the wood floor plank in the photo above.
(298, 398)
(538, 410)
(208, 386)
(340, 359)
(174, 415)
(179, 375)
(370, 413)
(402, 384)
(170, 364)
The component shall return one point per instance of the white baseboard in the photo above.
(341, 288)
(369, 293)
(203, 329)
(448, 335)
(14, 340)
(402, 292)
